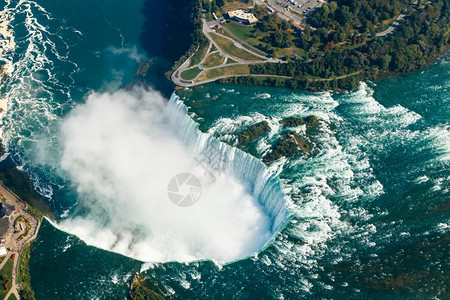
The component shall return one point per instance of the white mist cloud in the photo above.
(120, 154)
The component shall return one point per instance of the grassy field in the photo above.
(228, 46)
(198, 56)
(12, 297)
(229, 70)
(190, 74)
(249, 44)
(213, 60)
(241, 31)
(6, 273)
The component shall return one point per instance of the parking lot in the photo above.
(301, 7)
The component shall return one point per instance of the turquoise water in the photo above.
(371, 216)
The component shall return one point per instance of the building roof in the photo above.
(5, 209)
(4, 226)
(3, 251)
(241, 15)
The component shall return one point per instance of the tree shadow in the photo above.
(167, 28)
(152, 36)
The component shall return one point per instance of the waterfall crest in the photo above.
(221, 157)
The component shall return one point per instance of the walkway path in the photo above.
(265, 75)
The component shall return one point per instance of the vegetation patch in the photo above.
(297, 121)
(228, 46)
(12, 297)
(27, 230)
(23, 275)
(141, 291)
(290, 145)
(213, 60)
(279, 35)
(253, 132)
(190, 74)
(241, 31)
(199, 54)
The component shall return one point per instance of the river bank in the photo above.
(359, 56)
(16, 189)
(17, 242)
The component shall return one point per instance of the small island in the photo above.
(311, 45)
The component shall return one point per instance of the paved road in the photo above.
(236, 38)
(176, 76)
(207, 30)
(397, 21)
(393, 26)
(230, 76)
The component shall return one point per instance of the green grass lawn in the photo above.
(228, 70)
(213, 60)
(241, 31)
(190, 74)
(228, 46)
(6, 273)
(12, 297)
(198, 56)
(249, 44)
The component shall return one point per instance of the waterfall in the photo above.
(221, 157)
(140, 147)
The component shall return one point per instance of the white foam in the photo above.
(121, 156)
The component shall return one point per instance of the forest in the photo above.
(339, 39)
(338, 46)
(347, 45)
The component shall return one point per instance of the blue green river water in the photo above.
(371, 215)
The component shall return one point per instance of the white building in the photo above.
(241, 16)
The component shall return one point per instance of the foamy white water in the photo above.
(120, 150)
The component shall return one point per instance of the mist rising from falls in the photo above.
(121, 150)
